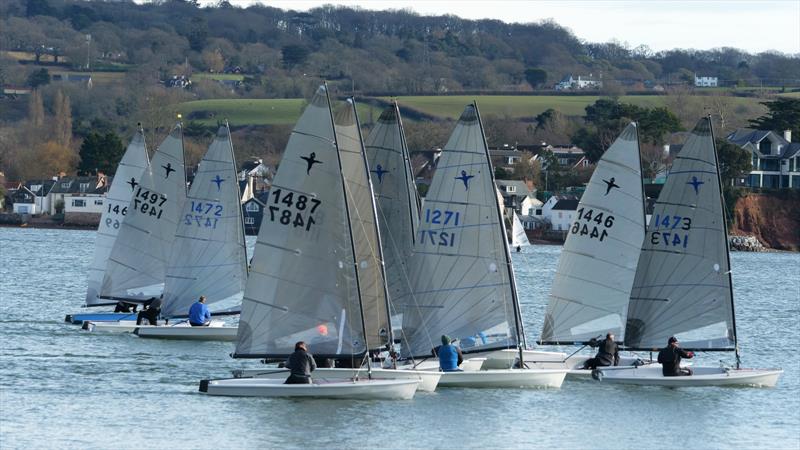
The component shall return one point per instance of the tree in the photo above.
(36, 109)
(63, 120)
(38, 78)
(100, 153)
(734, 161)
(784, 114)
(54, 158)
(294, 55)
(535, 77)
(38, 8)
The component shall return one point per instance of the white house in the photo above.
(582, 82)
(82, 198)
(705, 81)
(559, 210)
(775, 158)
(32, 197)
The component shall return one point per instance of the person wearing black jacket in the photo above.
(607, 353)
(670, 359)
(301, 364)
(151, 313)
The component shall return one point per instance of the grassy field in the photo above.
(286, 111)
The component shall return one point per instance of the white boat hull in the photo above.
(504, 359)
(340, 389)
(505, 378)
(702, 376)
(427, 380)
(215, 332)
(123, 326)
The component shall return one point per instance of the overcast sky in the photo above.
(754, 26)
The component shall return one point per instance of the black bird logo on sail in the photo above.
(133, 183)
(610, 184)
(310, 161)
(465, 178)
(169, 169)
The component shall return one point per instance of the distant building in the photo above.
(559, 211)
(567, 155)
(82, 198)
(705, 81)
(81, 78)
(569, 82)
(178, 81)
(253, 213)
(775, 158)
(516, 195)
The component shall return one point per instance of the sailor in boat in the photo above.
(519, 248)
(122, 307)
(450, 356)
(150, 313)
(199, 315)
(301, 364)
(670, 359)
(607, 353)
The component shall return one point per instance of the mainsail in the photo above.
(363, 223)
(396, 197)
(592, 285)
(137, 265)
(208, 255)
(683, 285)
(518, 236)
(115, 208)
(461, 274)
(302, 284)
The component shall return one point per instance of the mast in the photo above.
(727, 243)
(239, 196)
(408, 170)
(521, 342)
(377, 229)
(350, 231)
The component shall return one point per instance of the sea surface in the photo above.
(61, 387)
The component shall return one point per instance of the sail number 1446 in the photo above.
(595, 226)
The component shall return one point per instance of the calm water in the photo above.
(63, 388)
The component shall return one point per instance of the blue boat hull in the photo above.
(78, 319)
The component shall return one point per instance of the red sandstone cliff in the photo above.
(772, 219)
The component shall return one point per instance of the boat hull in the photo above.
(77, 319)
(123, 326)
(427, 380)
(186, 332)
(505, 378)
(702, 376)
(340, 389)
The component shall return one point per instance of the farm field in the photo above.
(286, 111)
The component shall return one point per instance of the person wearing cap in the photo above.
(607, 353)
(450, 356)
(199, 316)
(301, 364)
(670, 359)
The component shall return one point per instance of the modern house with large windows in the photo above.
(775, 158)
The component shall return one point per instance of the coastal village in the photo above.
(77, 201)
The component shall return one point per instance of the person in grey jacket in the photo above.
(301, 364)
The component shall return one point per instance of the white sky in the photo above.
(750, 25)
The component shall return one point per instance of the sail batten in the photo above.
(593, 280)
(115, 207)
(682, 286)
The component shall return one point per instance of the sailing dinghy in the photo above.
(387, 154)
(683, 284)
(306, 277)
(518, 237)
(115, 208)
(595, 273)
(208, 255)
(461, 274)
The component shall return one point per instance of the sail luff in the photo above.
(412, 192)
(377, 229)
(521, 339)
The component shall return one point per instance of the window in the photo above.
(770, 165)
(36, 187)
(252, 207)
(559, 225)
(249, 220)
(66, 185)
(79, 203)
(511, 189)
(765, 147)
(539, 212)
(560, 215)
(755, 161)
(84, 187)
(98, 202)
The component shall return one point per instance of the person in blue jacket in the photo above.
(199, 316)
(450, 356)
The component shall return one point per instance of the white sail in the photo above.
(460, 271)
(302, 282)
(208, 255)
(683, 286)
(115, 207)
(396, 197)
(518, 236)
(137, 265)
(363, 224)
(592, 285)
